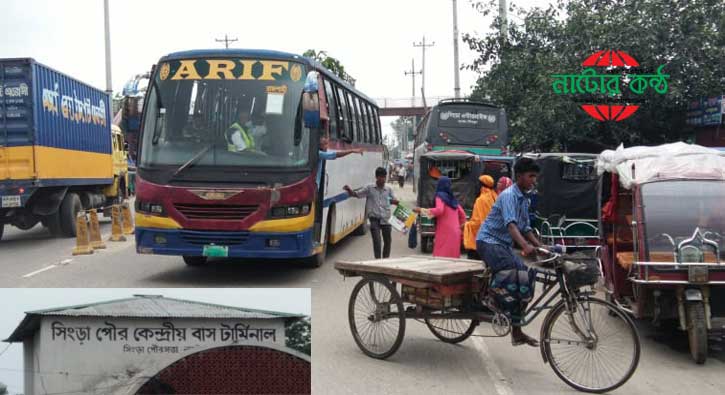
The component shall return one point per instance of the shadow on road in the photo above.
(246, 272)
(670, 336)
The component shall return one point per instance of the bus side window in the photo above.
(355, 118)
(349, 130)
(331, 108)
(344, 126)
(371, 127)
(422, 132)
(365, 121)
(376, 121)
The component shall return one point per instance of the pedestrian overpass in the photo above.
(405, 107)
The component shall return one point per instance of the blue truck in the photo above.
(59, 153)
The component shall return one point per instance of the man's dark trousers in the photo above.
(376, 228)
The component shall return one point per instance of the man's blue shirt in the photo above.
(511, 206)
(323, 156)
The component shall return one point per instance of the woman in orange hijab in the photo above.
(481, 208)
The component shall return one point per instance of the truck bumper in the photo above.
(239, 244)
(24, 189)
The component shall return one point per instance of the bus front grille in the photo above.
(216, 211)
(218, 238)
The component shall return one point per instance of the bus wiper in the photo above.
(191, 161)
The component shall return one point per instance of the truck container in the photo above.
(58, 151)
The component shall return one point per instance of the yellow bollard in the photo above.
(83, 247)
(127, 221)
(95, 237)
(116, 231)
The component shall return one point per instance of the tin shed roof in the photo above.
(145, 306)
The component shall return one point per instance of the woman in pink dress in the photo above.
(450, 219)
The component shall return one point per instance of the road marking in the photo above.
(500, 383)
(53, 266)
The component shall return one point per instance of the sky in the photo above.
(17, 301)
(373, 38)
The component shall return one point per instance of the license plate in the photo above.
(216, 251)
(11, 201)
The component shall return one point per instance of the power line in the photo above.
(6, 348)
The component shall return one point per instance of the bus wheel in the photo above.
(194, 260)
(318, 259)
(360, 230)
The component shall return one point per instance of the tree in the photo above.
(687, 36)
(403, 127)
(299, 335)
(330, 63)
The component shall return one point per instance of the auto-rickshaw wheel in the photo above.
(697, 332)
(426, 244)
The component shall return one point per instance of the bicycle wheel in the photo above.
(377, 318)
(588, 348)
(451, 330)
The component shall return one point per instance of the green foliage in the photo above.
(688, 36)
(299, 335)
(330, 63)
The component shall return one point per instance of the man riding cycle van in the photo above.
(512, 282)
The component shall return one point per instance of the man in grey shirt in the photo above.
(379, 197)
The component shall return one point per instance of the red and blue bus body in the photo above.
(258, 210)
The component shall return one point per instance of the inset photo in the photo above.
(156, 341)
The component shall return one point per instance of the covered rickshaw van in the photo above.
(662, 228)
(463, 168)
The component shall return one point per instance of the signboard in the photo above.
(472, 118)
(403, 218)
(706, 111)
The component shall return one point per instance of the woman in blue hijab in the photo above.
(450, 219)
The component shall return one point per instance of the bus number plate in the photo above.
(216, 251)
(11, 201)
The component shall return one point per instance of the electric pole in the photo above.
(226, 40)
(107, 26)
(412, 74)
(423, 45)
(502, 15)
(456, 76)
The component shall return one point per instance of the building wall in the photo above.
(109, 355)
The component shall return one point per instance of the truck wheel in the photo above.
(697, 332)
(69, 209)
(52, 222)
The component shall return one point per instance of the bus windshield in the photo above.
(469, 125)
(226, 112)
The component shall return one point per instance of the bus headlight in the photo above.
(290, 211)
(150, 208)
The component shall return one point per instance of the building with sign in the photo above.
(149, 344)
(706, 115)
